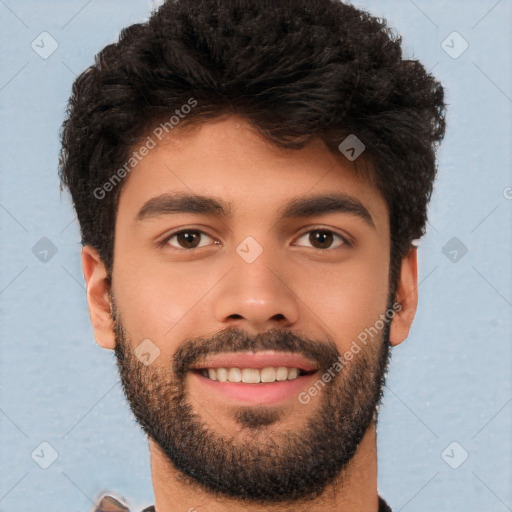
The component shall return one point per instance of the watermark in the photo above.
(44, 45)
(305, 396)
(249, 249)
(454, 455)
(146, 352)
(44, 250)
(352, 147)
(454, 45)
(45, 455)
(454, 249)
(159, 132)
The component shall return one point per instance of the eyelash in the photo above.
(345, 241)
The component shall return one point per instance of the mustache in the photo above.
(323, 353)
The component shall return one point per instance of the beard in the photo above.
(264, 463)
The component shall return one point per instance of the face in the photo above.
(271, 278)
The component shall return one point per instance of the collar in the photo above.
(109, 503)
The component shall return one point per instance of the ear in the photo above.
(98, 298)
(407, 297)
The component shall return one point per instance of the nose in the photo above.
(258, 295)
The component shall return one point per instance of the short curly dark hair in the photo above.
(296, 69)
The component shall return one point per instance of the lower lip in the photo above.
(263, 393)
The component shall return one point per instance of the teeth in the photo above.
(222, 374)
(252, 375)
(282, 373)
(268, 375)
(293, 373)
(234, 374)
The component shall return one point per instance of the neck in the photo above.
(355, 489)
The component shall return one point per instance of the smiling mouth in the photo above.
(255, 378)
(253, 375)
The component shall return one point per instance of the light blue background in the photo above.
(450, 381)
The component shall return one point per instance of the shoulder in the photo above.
(109, 502)
(383, 506)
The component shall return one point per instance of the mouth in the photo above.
(257, 378)
(253, 375)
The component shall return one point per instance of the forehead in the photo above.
(229, 159)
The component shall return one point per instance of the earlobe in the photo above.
(407, 297)
(98, 298)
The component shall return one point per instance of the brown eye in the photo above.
(187, 239)
(323, 239)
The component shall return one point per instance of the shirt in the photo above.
(110, 504)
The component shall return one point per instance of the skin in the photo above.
(169, 294)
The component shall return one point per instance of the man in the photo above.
(249, 179)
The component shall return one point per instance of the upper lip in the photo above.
(259, 360)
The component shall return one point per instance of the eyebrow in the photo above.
(166, 204)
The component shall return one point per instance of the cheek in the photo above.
(160, 301)
(347, 298)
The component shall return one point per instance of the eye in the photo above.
(186, 239)
(323, 239)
